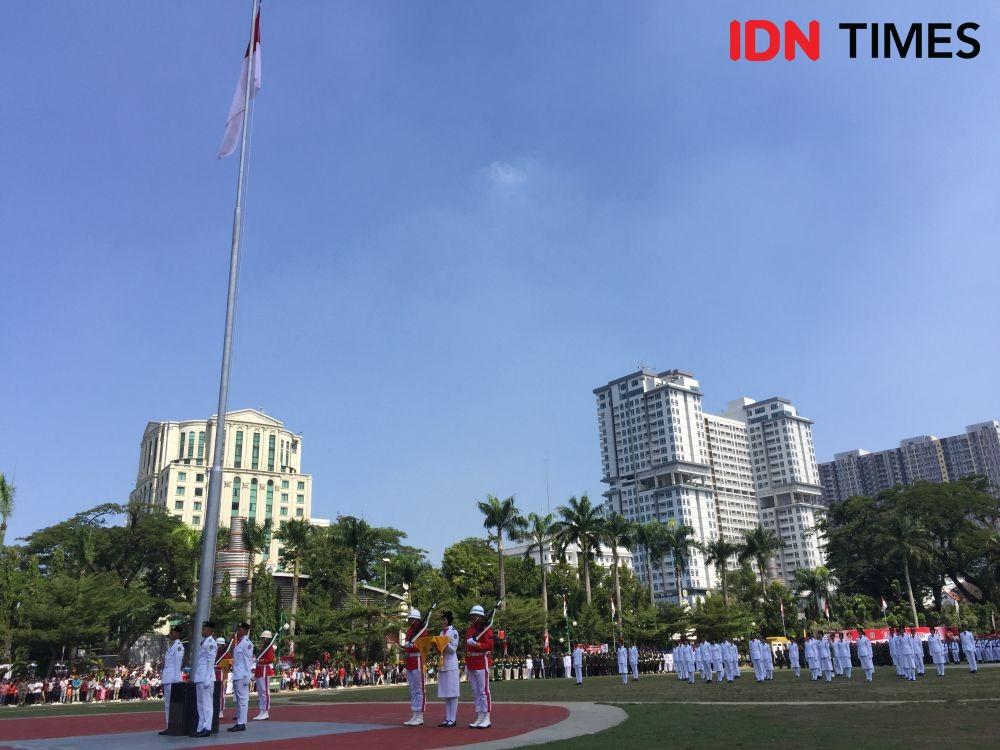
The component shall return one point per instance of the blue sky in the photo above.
(462, 218)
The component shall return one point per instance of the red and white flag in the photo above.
(826, 608)
(884, 605)
(234, 125)
(614, 612)
(781, 604)
(565, 613)
(546, 641)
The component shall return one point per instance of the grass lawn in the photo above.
(935, 712)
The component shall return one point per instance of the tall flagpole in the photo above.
(206, 577)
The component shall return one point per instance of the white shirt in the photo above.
(578, 657)
(449, 659)
(864, 647)
(204, 666)
(633, 655)
(622, 659)
(172, 662)
(243, 660)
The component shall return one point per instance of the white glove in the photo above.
(471, 642)
(407, 644)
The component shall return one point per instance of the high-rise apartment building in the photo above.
(666, 460)
(786, 480)
(262, 470)
(654, 452)
(858, 472)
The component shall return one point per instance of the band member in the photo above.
(448, 670)
(204, 679)
(478, 650)
(243, 667)
(173, 660)
(262, 674)
(414, 668)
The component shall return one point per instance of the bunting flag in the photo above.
(234, 125)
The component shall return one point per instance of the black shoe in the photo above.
(237, 728)
(202, 733)
(446, 724)
(165, 732)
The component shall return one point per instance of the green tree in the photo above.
(471, 567)
(256, 538)
(680, 540)
(815, 583)
(720, 552)
(651, 537)
(580, 523)
(539, 533)
(618, 532)
(504, 517)
(294, 536)
(360, 539)
(906, 540)
(759, 546)
(7, 491)
(712, 619)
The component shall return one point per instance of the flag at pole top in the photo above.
(884, 605)
(614, 612)
(234, 125)
(565, 612)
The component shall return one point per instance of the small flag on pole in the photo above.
(614, 612)
(234, 125)
(884, 605)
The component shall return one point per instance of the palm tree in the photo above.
(815, 582)
(650, 537)
(905, 540)
(580, 523)
(760, 545)
(680, 540)
(618, 532)
(256, 538)
(719, 552)
(357, 535)
(538, 531)
(503, 516)
(294, 536)
(7, 490)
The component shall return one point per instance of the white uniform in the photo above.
(918, 654)
(578, 665)
(793, 658)
(448, 674)
(243, 666)
(969, 647)
(939, 652)
(623, 663)
(568, 665)
(826, 658)
(633, 661)
(843, 652)
(812, 658)
(757, 659)
(953, 649)
(768, 654)
(718, 663)
(731, 660)
(865, 656)
(204, 679)
(172, 662)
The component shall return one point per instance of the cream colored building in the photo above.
(262, 471)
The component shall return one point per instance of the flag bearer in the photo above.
(448, 670)
(478, 650)
(414, 669)
(262, 675)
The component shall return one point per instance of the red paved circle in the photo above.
(509, 720)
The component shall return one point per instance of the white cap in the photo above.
(266, 634)
(414, 614)
(477, 610)
(220, 640)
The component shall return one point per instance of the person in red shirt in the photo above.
(414, 668)
(478, 652)
(262, 674)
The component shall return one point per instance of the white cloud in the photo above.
(506, 175)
